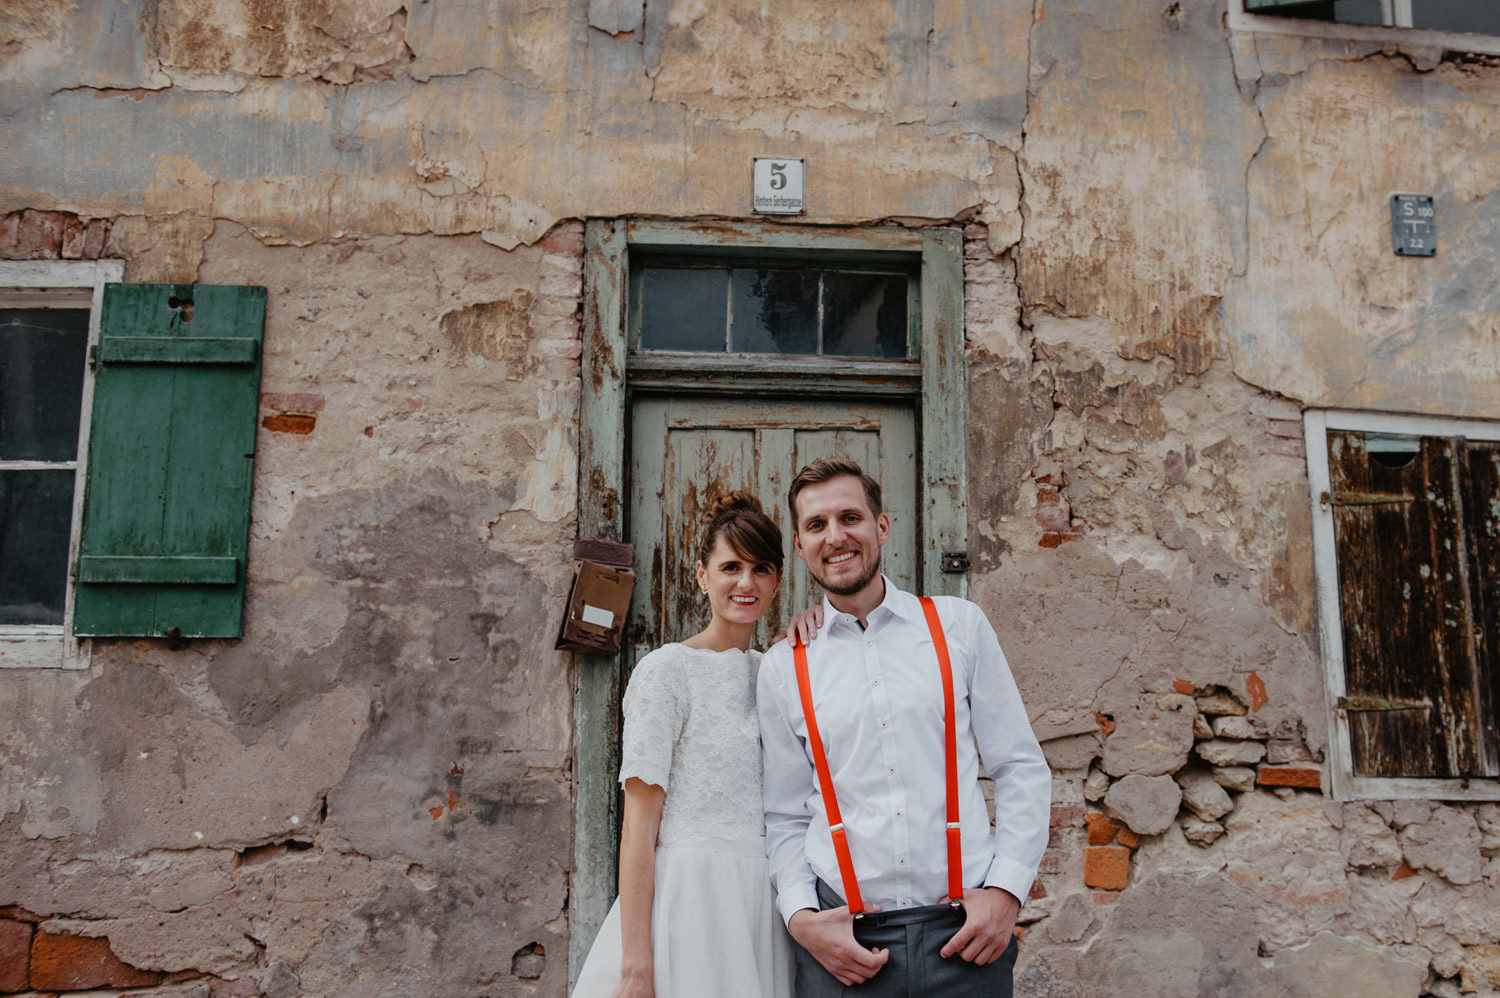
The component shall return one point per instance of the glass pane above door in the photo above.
(786, 310)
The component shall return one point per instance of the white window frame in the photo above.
(1396, 30)
(1345, 785)
(58, 284)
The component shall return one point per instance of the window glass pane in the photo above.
(683, 309)
(775, 311)
(864, 315)
(1342, 11)
(1478, 16)
(42, 352)
(36, 510)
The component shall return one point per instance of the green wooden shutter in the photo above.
(171, 450)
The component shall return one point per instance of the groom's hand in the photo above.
(829, 937)
(989, 922)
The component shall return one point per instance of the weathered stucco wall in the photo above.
(1176, 239)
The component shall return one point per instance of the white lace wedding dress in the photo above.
(690, 728)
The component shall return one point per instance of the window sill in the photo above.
(1347, 787)
(41, 648)
(1405, 39)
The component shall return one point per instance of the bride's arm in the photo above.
(638, 828)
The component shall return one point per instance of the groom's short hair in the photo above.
(827, 469)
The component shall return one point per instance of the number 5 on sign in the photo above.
(777, 187)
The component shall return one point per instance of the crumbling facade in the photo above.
(1172, 230)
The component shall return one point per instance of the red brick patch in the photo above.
(1289, 776)
(1106, 724)
(15, 956)
(1403, 871)
(290, 422)
(1106, 867)
(1128, 839)
(1184, 686)
(1101, 829)
(78, 963)
(1037, 891)
(1067, 816)
(1256, 687)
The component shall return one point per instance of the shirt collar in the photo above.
(897, 603)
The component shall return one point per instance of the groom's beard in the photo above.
(853, 586)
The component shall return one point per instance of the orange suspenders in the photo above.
(825, 778)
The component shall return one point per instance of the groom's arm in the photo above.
(787, 788)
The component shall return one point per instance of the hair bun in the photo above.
(734, 502)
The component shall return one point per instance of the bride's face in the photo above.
(739, 591)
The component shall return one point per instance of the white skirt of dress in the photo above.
(714, 928)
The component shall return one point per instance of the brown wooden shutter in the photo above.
(1482, 525)
(1411, 659)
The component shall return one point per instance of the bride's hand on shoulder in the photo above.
(803, 628)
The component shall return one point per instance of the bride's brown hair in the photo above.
(745, 527)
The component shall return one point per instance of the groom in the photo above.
(874, 816)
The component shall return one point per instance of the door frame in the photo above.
(937, 380)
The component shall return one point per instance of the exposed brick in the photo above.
(1256, 687)
(73, 234)
(566, 239)
(290, 422)
(1106, 724)
(1106, 867)
(1067, 816)
(15, 955)
(10, 227)
(40, 237)
(1128, 839)
(77, 963)
(95, 238)
(1184, 686)
(21, 915)
(1037, 892)
(302, 402)
(1101, 829)
(1403, 871)
(1283, 750)
(1289, 776)
(1052, 862)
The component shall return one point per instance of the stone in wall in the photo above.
(1151, 737)
(1146, 804)
(1446, 843)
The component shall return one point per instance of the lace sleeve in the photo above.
(654, 715)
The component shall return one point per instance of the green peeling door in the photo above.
(688, 451)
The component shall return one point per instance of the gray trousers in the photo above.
(914, 970)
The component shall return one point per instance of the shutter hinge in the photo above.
(1367, 704)
(1361, 498)
(955, 561)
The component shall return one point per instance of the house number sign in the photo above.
(777, 187)
(1413, 224)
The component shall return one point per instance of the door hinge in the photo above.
(1366, 704)
(1361, 498)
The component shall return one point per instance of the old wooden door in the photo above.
(686, 451)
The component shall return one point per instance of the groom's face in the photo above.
(838, 536)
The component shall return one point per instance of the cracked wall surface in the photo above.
(1176, 240)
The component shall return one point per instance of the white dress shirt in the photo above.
(878, 698)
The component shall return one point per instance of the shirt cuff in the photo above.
(794, 899)
(1011, 876)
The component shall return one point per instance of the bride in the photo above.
(695, 914)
